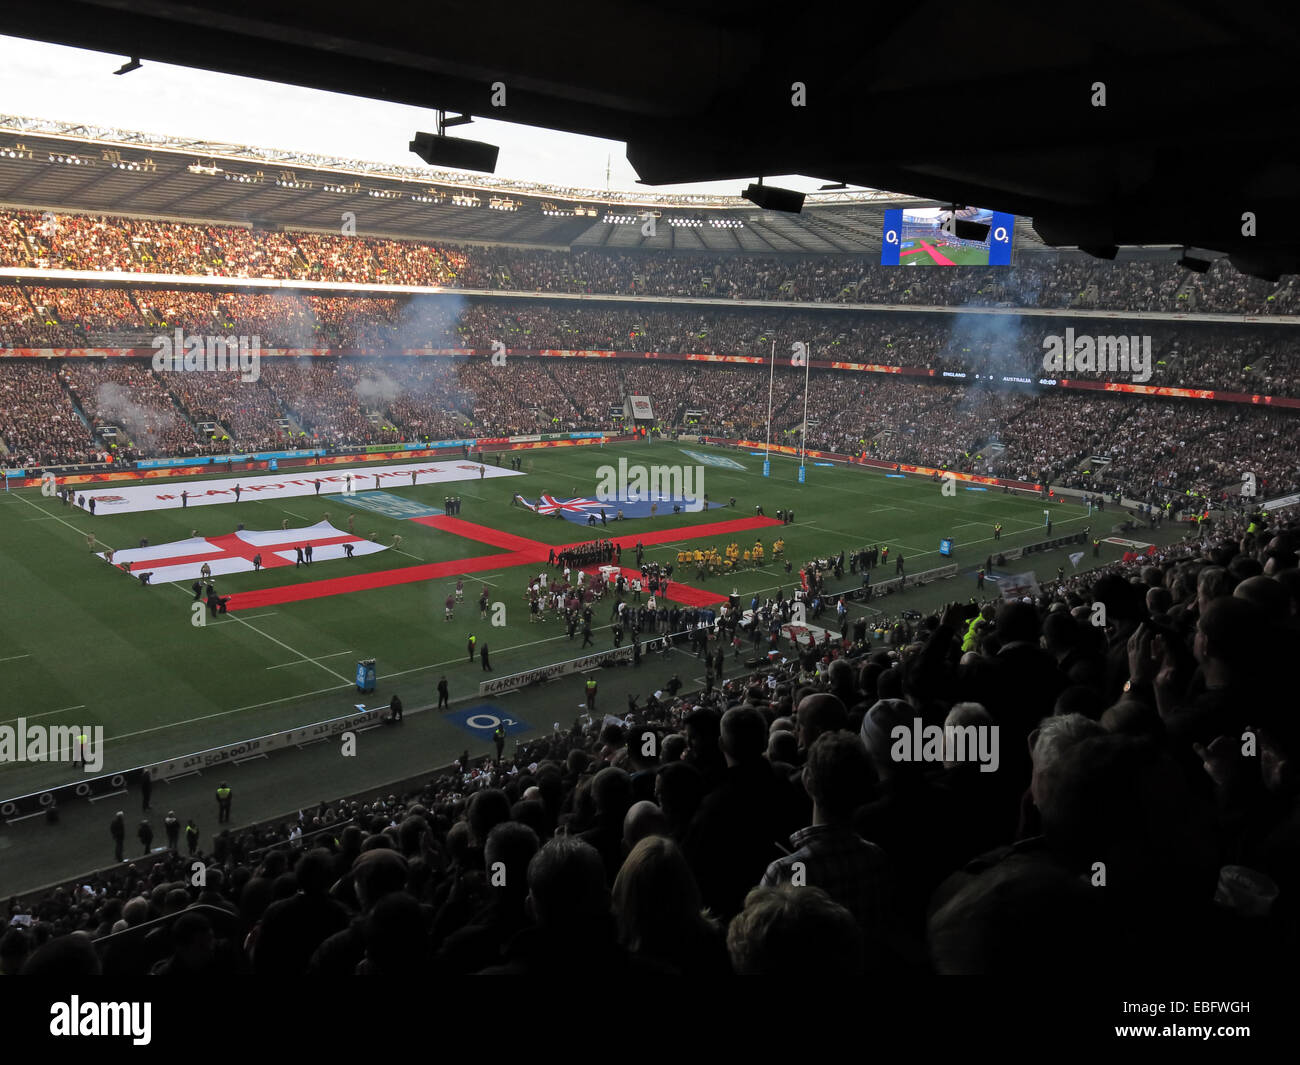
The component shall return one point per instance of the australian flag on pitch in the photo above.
(581, 508)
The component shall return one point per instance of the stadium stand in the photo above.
(81, 242)
(666, 863)
(1183, 355)
(1155, 449)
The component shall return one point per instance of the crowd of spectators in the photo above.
(1198, 356)
(428, 398)
(775, 823)
(1154, 449)
(125, 394)
(80, 242)
(89, 311)
(38, 422)
(247, 414)
(21, 325)
(321, 395)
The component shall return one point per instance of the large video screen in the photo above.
(927, 236)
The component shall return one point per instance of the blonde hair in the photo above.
(656, 900)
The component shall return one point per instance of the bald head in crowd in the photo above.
(643, 819)
(819, 714)
(1267, 594)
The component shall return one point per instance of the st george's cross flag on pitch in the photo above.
(183, 560)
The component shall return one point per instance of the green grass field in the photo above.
(85, 644)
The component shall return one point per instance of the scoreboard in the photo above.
(928, 236)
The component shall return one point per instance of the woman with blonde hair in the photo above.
(661, 917)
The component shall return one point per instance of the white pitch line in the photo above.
(325, 691)
(15, 658)
(471, 696)
(282, 665)
(55, 517)
(47, 713)
(291, 650)
(281, 643)
(823, 528)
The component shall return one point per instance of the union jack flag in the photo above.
(549, 505)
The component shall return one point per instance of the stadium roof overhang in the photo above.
(1129, 122)
(72, 167)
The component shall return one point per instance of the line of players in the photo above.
(709, 562)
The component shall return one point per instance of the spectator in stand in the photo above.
(660, 915)
(292, 929)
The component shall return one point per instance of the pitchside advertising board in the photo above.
(37, 803)
(217, 756)
(925, 236)
(92, 789)
(559, 669)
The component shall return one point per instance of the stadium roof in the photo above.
(1129, 122)
(71, 166)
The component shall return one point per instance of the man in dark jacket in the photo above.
(611, 792)
(117, 829)
(510, 847)
(292, 929)
(739, 827)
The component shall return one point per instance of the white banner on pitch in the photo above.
(133, 498)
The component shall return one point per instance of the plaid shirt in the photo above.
(853, 872)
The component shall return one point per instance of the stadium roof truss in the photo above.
(66, 166)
